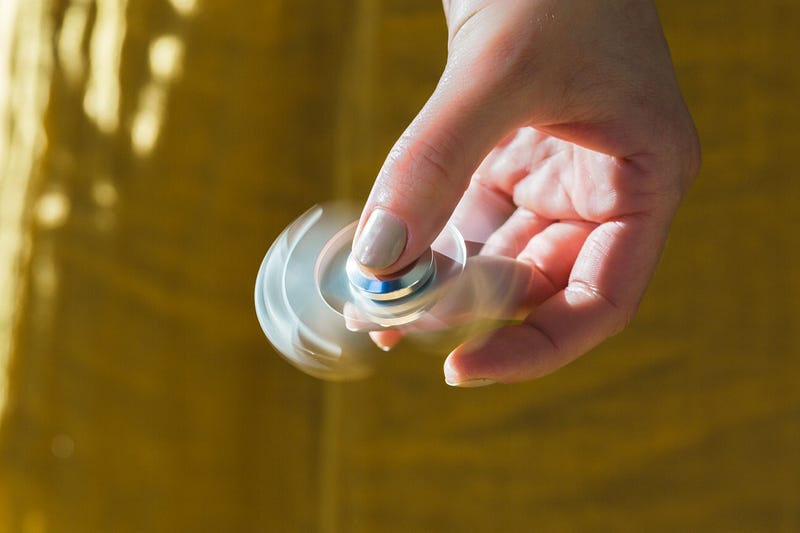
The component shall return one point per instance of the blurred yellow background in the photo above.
(150, 151)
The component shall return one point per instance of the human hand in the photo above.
(564, 124)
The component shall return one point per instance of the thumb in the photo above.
(429, 168)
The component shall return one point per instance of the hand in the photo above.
(564, 124)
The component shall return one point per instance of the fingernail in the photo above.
(382, 240)
(376, 338)
(452, 378)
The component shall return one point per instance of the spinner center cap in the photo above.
(388, 288)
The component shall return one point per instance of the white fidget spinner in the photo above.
(309, 287)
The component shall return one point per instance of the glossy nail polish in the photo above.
(382, 240)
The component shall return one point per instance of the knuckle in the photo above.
(618, 315)
(430, 161)
(693, 152)
(684, 152)
(426, 168)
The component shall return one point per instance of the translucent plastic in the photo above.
(305, 301)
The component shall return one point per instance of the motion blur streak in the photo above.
(101, 101)
(71, 39)
(28, 62)
(166, 58)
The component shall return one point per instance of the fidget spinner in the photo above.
(310, 291)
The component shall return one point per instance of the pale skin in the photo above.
(565, 125)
